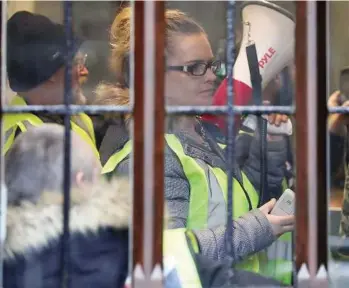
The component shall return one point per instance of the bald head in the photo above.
(35, 162)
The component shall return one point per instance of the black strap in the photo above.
(346, 149)
(256, 81)
(256, 78)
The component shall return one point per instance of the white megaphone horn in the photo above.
(271, 28)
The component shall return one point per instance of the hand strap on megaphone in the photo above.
(256, 78)
(256, 81)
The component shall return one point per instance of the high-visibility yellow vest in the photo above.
(179, 248)
(209, 185)
(277, 260)
(12, 122)
(278, 263)
(176, 250)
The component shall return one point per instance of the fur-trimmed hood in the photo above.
(33, 226)
(112, 94)
(117, 132)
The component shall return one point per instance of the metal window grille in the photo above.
(311, 247)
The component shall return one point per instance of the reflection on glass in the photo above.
(196, 146)
(338, 136)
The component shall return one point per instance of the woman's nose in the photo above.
(210, 76)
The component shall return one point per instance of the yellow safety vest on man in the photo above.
(209, 184)
(12, 122)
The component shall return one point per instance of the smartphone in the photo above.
(285, 205)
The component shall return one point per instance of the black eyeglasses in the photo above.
(199, 68)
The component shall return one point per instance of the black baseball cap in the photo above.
(35, 49)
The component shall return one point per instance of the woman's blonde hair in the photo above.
(112, 94)
(177, 22)
(120, 34)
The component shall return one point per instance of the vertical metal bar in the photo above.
(148, 120)
(138, 135)
(153, 124)
(311, 212)
(65, 252)
(3, 193)
(322, 203)
(313, 110)
(301, 134)
(230, 100)
(159, 113)
(311, 115)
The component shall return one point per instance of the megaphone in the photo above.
(271, 28)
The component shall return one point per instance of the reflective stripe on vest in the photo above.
(199, 190)
(84, 135)
(176, 250)
(86, 125)
(14, 121)
(216, 203)
(280, 248)
(117, 157)
(278, 264)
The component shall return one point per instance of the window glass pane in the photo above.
(337, 168)
(35, 152)
(196, 162)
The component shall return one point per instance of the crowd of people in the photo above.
(195, 169)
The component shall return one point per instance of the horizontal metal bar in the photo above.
(63, 109)
(236, 109)
(197, 110)
(96, 109)
(338, 242)
(342, 110)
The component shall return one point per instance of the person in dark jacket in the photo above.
(337, 126)
(338, 136)
(99, 215)
(99, 218)
(36, 63)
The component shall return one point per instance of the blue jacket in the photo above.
(98, 240)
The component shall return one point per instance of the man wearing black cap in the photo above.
(35, 67)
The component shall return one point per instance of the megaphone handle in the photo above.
(262, 124)
(256, 78)
(256, 81)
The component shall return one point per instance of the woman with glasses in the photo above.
(195, 165)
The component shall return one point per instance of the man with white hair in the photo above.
(36, 64)
(99, 215)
